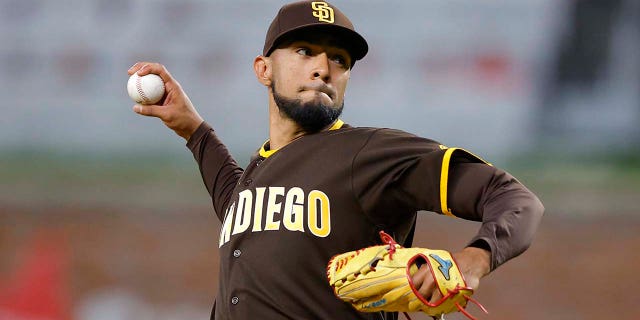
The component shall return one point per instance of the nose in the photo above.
(320, 67)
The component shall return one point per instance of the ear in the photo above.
(262, 68)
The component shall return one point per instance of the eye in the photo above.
(340, 59)
(304, 51)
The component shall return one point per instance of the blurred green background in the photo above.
(103, 214)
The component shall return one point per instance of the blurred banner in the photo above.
(38, 287)
(551, 74)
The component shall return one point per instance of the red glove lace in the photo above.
(387, 239)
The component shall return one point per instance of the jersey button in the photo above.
(247, 182)
(237, 253)
(235, 300)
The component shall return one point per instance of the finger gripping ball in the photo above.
(148, 89)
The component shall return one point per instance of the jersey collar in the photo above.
(266, 153)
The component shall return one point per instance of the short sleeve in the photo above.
(381, 173)
(397, 174)
(451, 157)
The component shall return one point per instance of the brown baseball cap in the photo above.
(311, 15)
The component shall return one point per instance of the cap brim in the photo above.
(354, 43)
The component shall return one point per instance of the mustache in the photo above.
(320, 87)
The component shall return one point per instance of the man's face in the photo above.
(309, 80)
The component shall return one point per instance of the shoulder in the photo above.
(391, 138)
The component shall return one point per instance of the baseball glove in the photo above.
(379, 278)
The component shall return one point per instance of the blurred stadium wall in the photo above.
(548, 90)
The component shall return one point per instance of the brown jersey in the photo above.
(292, 209)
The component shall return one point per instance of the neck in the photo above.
(282, 130)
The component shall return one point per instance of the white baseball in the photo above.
(147, 89)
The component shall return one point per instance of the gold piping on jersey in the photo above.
(337, 125)
(444, 177)
(267, 153)
(444, 180)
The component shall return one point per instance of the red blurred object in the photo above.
(38, 288)
(493, 67)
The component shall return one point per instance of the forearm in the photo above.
(509, 222)
(218, 169)
(509, 212)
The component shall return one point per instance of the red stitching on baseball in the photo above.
(140, 91)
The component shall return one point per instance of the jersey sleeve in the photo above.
(218, 169)
(396, 174)
(510, 213)
(451, 159)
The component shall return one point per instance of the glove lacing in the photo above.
(387, 239)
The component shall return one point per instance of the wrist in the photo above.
(477, 261)
(190, 129)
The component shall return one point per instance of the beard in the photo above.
(311, 116)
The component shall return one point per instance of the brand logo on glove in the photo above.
(376, 304)
(445, 265)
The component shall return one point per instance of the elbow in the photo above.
(515, 233)
(530, 223)
(537, 210)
